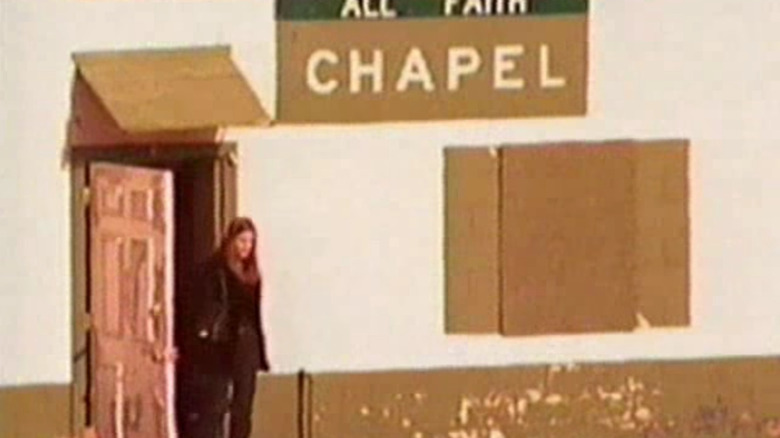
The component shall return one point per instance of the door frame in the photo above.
(225, 158)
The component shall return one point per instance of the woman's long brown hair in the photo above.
(246, 270)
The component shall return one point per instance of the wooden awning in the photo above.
(171, 90)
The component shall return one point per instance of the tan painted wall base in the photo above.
(692, 398)
(43, 411)
(40, 411)
(736, 397)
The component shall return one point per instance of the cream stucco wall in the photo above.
(351, 217)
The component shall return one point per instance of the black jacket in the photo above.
(217, 307)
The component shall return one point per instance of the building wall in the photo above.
(352, 219)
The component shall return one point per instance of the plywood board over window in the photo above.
(472, 280)
(578, 237)
(661, 275)
(567, 224)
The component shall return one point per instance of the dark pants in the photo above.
(202, 403)
(204, 399)
(244, 379)
(205, 402)
(241, 404)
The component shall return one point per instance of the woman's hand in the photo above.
(161, 353)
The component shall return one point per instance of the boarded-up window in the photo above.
(471, 228)
(661, 275)
(567, 226)
(590, 237)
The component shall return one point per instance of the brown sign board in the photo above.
(432, 67)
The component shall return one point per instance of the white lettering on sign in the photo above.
(415, 69)
(546, 79)
(358, 70)
(461, 61)
(365, 9)
(503, 64)
(485, 7)
(312, 80)
(416, 73)
(472, 7)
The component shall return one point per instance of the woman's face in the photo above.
(243, 245)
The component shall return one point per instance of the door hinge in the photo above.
(86, 321)
(232, 158)
(86, 196)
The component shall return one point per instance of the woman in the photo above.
(222, 342)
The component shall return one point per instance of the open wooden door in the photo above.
(131, 283)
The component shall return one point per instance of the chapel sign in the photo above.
(345, 61)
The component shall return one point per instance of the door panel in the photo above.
(662, 273)
(131, 240)
(472, 240)
(567, 225)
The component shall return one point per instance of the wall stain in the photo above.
(739, 399)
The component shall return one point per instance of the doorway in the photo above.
(194, 187)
